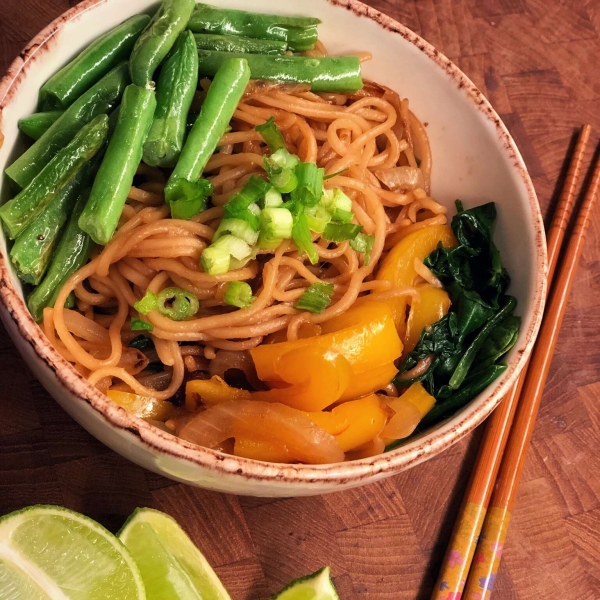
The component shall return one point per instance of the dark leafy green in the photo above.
(466, 345)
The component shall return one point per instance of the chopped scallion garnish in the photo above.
(310, 184)
(271, 134)
(301, 232)
(140, 325)
(253, 191)
(177, 304)
(317, 217)
(239, 293)
(238, 227)
(276, 224)
(363, 243)
(316, 298)
(146, 304)
(340, 232)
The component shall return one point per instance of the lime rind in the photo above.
(17, 552)
(171, 565)
(317, 586)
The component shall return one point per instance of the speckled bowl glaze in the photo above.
(474, 159)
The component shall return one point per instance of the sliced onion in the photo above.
(401, 179)
(302, 439)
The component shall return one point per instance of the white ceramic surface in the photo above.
(474, 159)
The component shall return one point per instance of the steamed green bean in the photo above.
(35, 125)
(340, 74)
(300, 33)
(99, 99)
(158, 38)
(20, 212)
(174, 95)
(100, 216)
(102, 55)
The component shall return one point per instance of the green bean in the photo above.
(32, 250)
(123, 155)
(102, 55)
(222, 98)
(20, 212)
(328, 74)
(158, 38)
(174, 95)
(72, 252)
(34, 126)
(234, 43)
(299, 32)
(99, 99)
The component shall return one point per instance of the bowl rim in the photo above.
(428, 444)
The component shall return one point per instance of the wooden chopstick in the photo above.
(489, 548)
(467, 528)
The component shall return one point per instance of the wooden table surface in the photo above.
(537, 61)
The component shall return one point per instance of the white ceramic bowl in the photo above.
(475, 159)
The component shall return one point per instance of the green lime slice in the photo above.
(171, 565)
(317, 586)
(49, 552)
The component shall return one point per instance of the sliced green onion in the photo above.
(235, 264)
(276, 225)
(340, 232)
(363, 243)
(215, 261)
(187, 191)
(301, 232)
(253, 191)
(335, 199)
(238, 293)
(186, 209)
(272, 199)
(177, 304)
(271, 134)
(146, 304)
(284, 181)
(317, 218)
(140, 325)
(238, 227)
(316, 298)
(310, 184)
(283, 159)
(342, 216)
(239, 249)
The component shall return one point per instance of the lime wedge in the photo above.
(317, 586)
(48, 552)
(171, 565)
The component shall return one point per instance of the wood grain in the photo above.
(536, 60)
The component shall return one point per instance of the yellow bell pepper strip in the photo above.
(317, 379)
(353, 423)
(427, 310)
(259, 449)
(367, 416)
(310, 381)
(409, 409)
(365, 336)
(144, 407)
(398, 267)
(370, 381)
(212, 391)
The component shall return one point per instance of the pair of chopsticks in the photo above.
(473, 555)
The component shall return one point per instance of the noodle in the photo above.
(352, 137)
